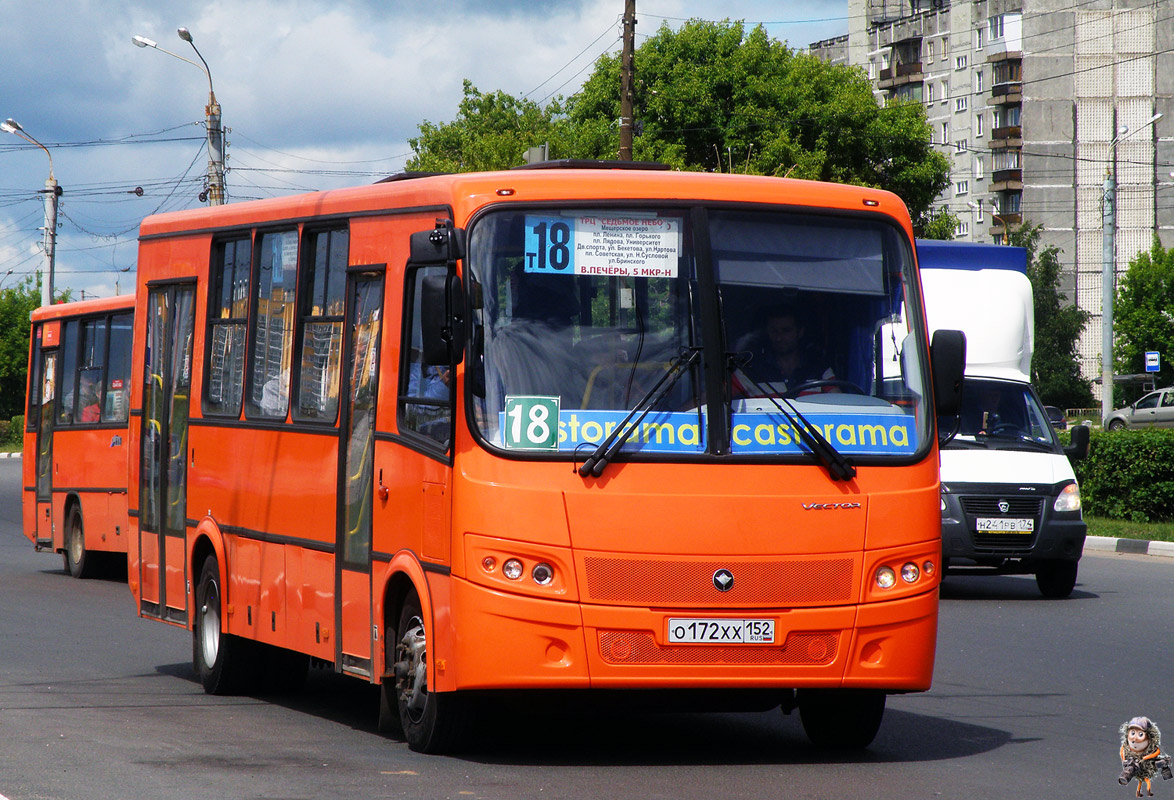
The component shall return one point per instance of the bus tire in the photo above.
(225, 664)
(841, 718)
(432, 722)
(1056, 579)
(77, 563)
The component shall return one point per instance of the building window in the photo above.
(872, 70)
(945, 48)
(978, 80)
(961, 146)
(945, 133)
(979, 35)
(978, 216)
(979, 170)
(960, 103)
(962, 187)
(945, 91)
(228, 315)
(960, 62)
(929, 50)
(978, 125)
(995, 27)
(277, 257)
(929, 92)
(321, 322)
(1006, 159)
(963, 228)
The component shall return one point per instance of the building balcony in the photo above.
(1007, 180)
(900, 75)
(1003, 94)
(1011, 136)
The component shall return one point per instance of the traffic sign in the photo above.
(1152, 361)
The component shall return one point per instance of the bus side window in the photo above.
(118, 369)
(228, 311)
(425, 405)
(69, 347)
(321, 320)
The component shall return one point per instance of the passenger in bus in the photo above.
(781, 358)
(88, 400)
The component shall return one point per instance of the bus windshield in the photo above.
(582, 317)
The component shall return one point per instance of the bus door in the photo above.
(47, 416)
(356, 494)
(163, 489)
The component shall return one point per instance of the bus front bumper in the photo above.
(508, 641)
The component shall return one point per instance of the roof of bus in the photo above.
(466, 192)
(78, 308)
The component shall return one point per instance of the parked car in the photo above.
(1056, 417)
(1154, 410)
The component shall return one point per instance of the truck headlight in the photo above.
(1068, 499)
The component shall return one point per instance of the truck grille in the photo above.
(640, 647)
(988, 506)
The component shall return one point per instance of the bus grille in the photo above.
(640, 647)
(662, 582)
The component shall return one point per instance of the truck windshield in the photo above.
(579, 313)
(999, 413)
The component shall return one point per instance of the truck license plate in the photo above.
(1005, 524)
(721, 631)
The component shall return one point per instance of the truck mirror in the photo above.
(441, 245)
(442, 314)
(948, 361)
(1078, 442)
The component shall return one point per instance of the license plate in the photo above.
(1005, 524)
(721, 631)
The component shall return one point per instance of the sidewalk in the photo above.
(1142, 547)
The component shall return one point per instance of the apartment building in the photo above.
(1035, 102)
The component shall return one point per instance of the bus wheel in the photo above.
(76, 563)
(222, 661)
(432, 722)
(843, 718)
(1056, 579)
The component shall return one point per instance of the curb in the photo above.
(1142, 547)
(9, 455)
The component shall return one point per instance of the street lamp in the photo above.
(1109, 264)
(1001, 219)
(216, 191)
(51, 191)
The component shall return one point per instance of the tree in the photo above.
(16, 304)
(711, 96)
(939, 224)
(1143, 313)
(491, 131)
(1055, 367)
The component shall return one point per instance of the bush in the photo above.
(1129, 475)
(11, 432)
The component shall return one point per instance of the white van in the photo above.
(1010, 500)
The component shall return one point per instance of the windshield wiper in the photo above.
(838, 465)
(607, 449)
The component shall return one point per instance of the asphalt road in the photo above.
(1027, 699)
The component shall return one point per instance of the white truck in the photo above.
(1010, 500)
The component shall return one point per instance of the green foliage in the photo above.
(939, 224)
(491, 131)
(16, 304)
(1055, 368)
(1129, 475)
(1143, 314)
(710, 96)
(16, 430)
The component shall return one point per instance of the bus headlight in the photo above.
(910, 573)
(1068, 499)
(886, 578)
(542, 574)
(512, 569)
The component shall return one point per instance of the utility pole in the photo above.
(1108, 287)
(627, 70)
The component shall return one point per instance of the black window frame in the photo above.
(254, 411)
(413, 277)
(212, 321)
(306, 266)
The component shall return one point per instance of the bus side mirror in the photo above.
(948, 362)
(443, 244)
(1078, 442)
(442, 317)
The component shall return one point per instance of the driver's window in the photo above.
(1149, 401)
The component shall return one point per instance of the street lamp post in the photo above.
(1109, 264)
(216, 191)
(51, 191)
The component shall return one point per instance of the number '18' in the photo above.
(555, 252)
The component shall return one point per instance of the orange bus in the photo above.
(75, 440)
(513, 431)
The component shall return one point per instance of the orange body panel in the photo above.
(630, 550)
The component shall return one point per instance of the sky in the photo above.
(314, 94)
